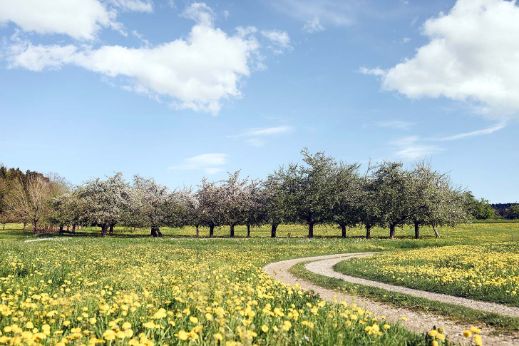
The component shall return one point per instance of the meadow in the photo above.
(488, 272)
(130, 289)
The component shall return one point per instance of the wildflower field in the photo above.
(487, 272)
(134, 290)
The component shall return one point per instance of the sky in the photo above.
(178, 90)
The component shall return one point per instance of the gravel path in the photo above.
(416, 321)
(45, 239)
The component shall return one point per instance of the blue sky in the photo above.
(178, 90)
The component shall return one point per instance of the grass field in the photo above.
(130, 289)
(485, 272)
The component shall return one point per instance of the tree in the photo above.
(310, 188)
(370, 213)
(150, 204)
(234, 201)
(189, 210)
(432, 200)
(450, 211)
(67, 210)
(276, 204)
(512, 212)
(392, 189)
(29, 199)
(346, 210)
(211, 206)
(104, 201)
(255, 202)
(479, 209)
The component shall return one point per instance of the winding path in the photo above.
(414, 320)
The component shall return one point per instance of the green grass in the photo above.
(501, 323)
(178, 272)
(488, 272)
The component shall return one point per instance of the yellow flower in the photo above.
(218, 337)
(183, 335)
(467, 333)
(161, 313)
(286, 326)
(475, 330)
(193, 319)
(264, 328)
(478, 341)
(109, 335)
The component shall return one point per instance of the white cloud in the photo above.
(134, 5)
(313, 25)
(377, 71)
(412, 149)
(200, 13)
(472, 55)
(37, 58)
(80, 19)
(257, 137)
(210, 163)
(318, 14)
(463, 135)
(197, 73)
(278, 38)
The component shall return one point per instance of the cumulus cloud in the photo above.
(196, 73)
(80, 19)
(472, 55)
(257, 137)
(209, 163)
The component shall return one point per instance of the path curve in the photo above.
(416, 321)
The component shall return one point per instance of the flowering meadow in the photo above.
(485, 272)
(132, 290)
(143, 292)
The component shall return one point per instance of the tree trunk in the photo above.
(368, 231)
(231, 232)
(392, 231)
(311, 230)
(24, 225)
(197, 231)
(248, 230)
(35, 226)
(416, 230)
(436, 233)
(155, 231)
(61, 228)
(343, 231)
(211, 231)
(273, 230)
(73, 228)
(104, 229)
(111, 229)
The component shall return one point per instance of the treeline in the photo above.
(508, 211)
(318, 190)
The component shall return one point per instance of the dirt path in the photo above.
(415, 320)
